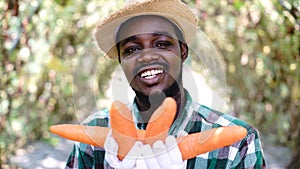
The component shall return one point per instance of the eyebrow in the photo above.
(155, 34)
(164, 33)
(129, 39)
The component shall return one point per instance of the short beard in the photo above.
(152, 101)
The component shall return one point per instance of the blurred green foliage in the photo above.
(260, 42)
(45, 42)
(41, 44)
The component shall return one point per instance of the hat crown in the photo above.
(174, 10)
(132, 2)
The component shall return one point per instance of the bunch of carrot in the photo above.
(125, 132)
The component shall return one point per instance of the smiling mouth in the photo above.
(150, 74)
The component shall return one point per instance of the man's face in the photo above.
(150, 54)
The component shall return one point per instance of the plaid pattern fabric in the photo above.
(244, 154)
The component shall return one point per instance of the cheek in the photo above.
(175, 66)
(127, 69)
(175, 71)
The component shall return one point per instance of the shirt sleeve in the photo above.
(84, 156)
(79, 158)
(250, 153)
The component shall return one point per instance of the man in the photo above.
(150, 40)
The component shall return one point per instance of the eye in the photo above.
(162, 44)
(130, 50)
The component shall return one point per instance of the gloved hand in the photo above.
(131, 159)
(164, 156)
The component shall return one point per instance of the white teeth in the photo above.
(150, 77)
(151, 73)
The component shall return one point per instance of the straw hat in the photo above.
(175, 10)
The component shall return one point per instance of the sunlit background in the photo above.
(45, 43)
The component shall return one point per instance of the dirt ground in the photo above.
(44, 156)
(41, 155)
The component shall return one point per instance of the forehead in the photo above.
(145, 25)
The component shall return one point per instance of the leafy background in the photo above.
(43, 44)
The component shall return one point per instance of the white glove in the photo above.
(164, 156)
(131, 159)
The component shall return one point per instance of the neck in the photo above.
(148, 104)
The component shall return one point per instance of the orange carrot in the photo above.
(93, 135)
(123, 127)
(199, 143)
(125, 133)
(160, 121)
(190, 146)
(141, 134)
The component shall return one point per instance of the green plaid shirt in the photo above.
(244, 154)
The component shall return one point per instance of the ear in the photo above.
(184, 51)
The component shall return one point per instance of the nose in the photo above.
(148, 56)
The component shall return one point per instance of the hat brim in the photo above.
(174, 10)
